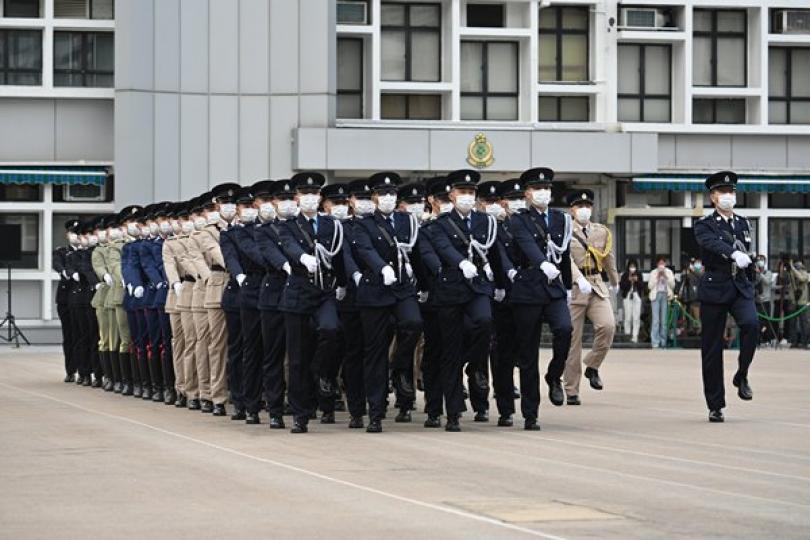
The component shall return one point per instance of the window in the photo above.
(788, 200)
(20, 193)
(645, 83)
(21, 57)
(789, 85)
(83, 9)
(489, 80)
(485, 15)
(29, 238)
(411, 107)
(83, 59)
(564, 108)
(21, 8)
(718, 111)
(564, 44)
(411, 42)
(352, 12)
(350, 78)
(645, 239)
(719, 51)
(788, 238)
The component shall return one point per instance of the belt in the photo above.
(188, 279)
(217, 268)
(591, 272)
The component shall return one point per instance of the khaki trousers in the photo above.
(122, 322)
(103, 330)
(178, 350)
(203, 333)
(600, 312)
(191, 386)
(218, 355)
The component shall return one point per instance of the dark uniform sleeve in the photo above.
(527, 243)
(268, 249)
(366, 251)
(444, 247)
(707, 239)
(230, 253)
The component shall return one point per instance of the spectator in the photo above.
(662, 287)
(801, 283)
(631, 289)
(763, 283)
(688, 295)
(784, 301)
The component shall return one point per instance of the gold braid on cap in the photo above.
(598, 256)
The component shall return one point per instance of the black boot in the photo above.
(157, 394)
(126, 374)
(146, 381)
(115, 368)
(181, 401)
(106, 368)
(137, 391)
(169, 397)
(167, 369)
(156, 375)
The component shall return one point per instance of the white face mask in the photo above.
(83, 241)
(495, 210)
(309, 202)
(248, 215)
(541, 197)
(200, 222)
(92, 240)
(464, 203)
(287, 208)
(212, 216)
(153, 229)
(102, 235)
(726, 201)
(145, 231)
(187, 227)
(267, 211)
(339, 211)
(227, 211)
(387, 203)
(73, 238)
(417, 209)
(165, 227)
(516, 205)
(583, 214)
(445, 207)
(364, 207)
(176, 226)
(116, 234)
(132, 229)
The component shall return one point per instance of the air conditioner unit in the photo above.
(792, 21)
(645, 18)
(352, 12)
(84, 193)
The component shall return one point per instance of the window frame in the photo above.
(6, 15)
(502, 8)
(715, 101)
(361, 91)
(559, 98)
(788, 98)
(5, 70)
(408, 96)
(84, 71)
(485, 94)
(559, 32)
(803, 249)
(713, 36)
(642, 73)
(408, 30)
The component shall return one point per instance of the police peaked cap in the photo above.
(335, 192)
(360, 188)
(308, 180)
(244, 196)
(580, 196)
(438, 185)
(464, 178)
(488, 190)
(539, 176)
(412, 193)
(225, 192)
(129, 213)
(283, 188)
(512, 188)
(384, 181)
(262, 188)
(722, 178)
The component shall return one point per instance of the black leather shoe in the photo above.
(97, 383)
(374, 426)
(299, 427)
(126, 389)
(516, 392)
(109, 386)
(433, 422)
(181, 402)
(157, 396)
(593, 377)
(239, 415)
(252, 419)
(505, 421)
(356, 422)
(555, 392)
(79, 380)
(325, 388)
(276, 422)
(716, 416)
(481, 416)
(146, 393)
(573, 400)
(452, 424)
(194, 404)
(136, 391)
(481, 382)
(530, 424)
(70, 378)
(169, 397)
(219, 410)
(405, 387)
(88, 381)
(328, 418)
(118, 387)
(404, 416)
(743, 388)
(207, 406)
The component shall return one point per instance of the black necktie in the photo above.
(467, 223)
(391, 222)
(585, 231)
(543, 221)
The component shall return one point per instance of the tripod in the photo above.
(14, 332)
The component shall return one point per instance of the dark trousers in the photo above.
(234, 370)
(143, 347)
(502, 358)
(252, 354)
(82, 339)
(528, 327)
(479, 312)
(274, 349)
(713, 320)
(477, 369)
(92, 345)
(137, 340)
(351, 340)
(167, 354)
(432, 362)
(377, 336)
(63, 311)
(154, 353)
(311, 341)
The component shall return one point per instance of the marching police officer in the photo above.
(63, 295)
(725, 288)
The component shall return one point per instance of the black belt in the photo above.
(188, 279)
(217, 268)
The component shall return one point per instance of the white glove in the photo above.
(108, 279)
(99, 285)
(488, 272)
(388, 275)
(123, 283)
(468, 268)
(549, 270)
(340, 293)
(160, 285)
(286, 267)
(138, 292)
(409, 270)
(75, 276)
(357, 276)
(129, 289)
(511, 275)
(500, 294)
(422, 296)
(240, 279)
(310, 262)
(584, 285)
(65, 275)
(568, 297)
(178, 287)
(742, 259)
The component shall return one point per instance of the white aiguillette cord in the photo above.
(324, 255)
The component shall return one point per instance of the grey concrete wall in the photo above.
(750, 153)
(211, 90)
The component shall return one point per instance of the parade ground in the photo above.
(637, 460)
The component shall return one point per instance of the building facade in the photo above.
(637, 100)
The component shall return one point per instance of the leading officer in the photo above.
(726, 287)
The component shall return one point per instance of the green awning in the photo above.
(694, 182)
(53, 175)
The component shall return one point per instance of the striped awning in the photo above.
(53, 175)
(695, 182)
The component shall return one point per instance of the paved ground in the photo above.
(637, 460)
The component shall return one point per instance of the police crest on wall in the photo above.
(480, 152)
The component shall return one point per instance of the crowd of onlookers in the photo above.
(662, 306)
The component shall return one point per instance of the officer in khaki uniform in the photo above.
(185, 296)
(591, 254)
(99, 263)
(172, 251)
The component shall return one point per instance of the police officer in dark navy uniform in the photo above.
(726, 287)
(66, 284)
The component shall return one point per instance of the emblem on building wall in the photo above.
(479, 152)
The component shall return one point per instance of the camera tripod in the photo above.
(14, 332)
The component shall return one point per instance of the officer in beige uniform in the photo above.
(591, 254)
(185, 296)
(172, 251)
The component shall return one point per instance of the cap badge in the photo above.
(517, 187)
(584, 196)
(387, 180)
(727, 179)
(467, 177)
(447, 188)
(413, 191)
(542, 176)
(286, 187)
(340, 190)
(309, 181)
(492, 189)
